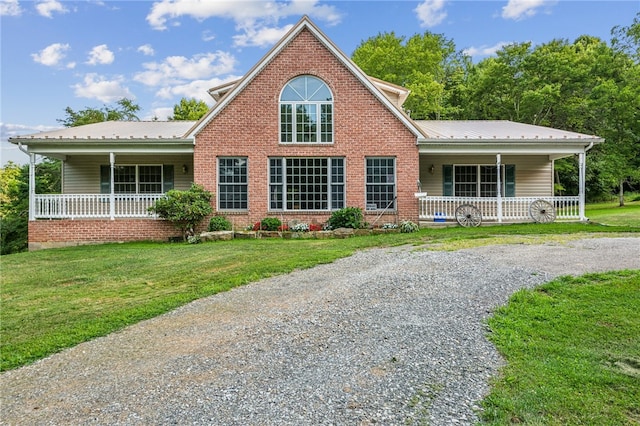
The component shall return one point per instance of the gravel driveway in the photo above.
(387, 336)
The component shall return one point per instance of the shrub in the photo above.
(219, 223)
(407, 227)
(348, 217)
(268, 224)
(390, 226)
(185, 209)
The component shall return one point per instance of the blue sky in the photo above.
(91, 53)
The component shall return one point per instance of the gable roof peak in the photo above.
(305, 23)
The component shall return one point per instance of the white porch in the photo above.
(92, 206)
(494, 209)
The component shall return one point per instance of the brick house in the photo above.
(303, 133)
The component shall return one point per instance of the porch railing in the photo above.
(92, 206)
(513, 208)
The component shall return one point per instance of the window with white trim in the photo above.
(310, 184)
(137, 180)
(232, 183)
(381, 183)
(479, 180)
(306, 111)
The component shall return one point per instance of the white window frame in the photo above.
(226, 184)
(334, 181)
(137, 182)
(479, 182)
(305, 101)
(371, 205)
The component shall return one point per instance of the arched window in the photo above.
(306, 111)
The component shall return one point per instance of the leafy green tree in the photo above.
(14, 200)
(185, 209)
(428, 65)
(189, 109)
(125, 110)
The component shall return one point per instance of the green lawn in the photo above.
(612, 214)
(573, 353)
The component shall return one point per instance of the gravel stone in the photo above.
(392, 336)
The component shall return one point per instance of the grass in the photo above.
(573, 353)
(54, 299)
(613, 214)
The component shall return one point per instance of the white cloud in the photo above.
(485, 50)
(261, 37)
(208, 35)
(522, 9)
(177, 69)
(100, 55)
(10, 8)
(256, 20)
(47, 7)
(194, 89)
(146, 50)
(430, 12)
(51, 55)
(95, 86)
(159, 113)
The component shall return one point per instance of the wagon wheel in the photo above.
(468, 215)
(542, 211)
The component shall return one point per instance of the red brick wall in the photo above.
(363, 127)
(57, 233)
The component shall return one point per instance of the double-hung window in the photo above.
(232, 183)
(306, 111)
(137, 179)
(310, 184)
(381, 183)
(478, 180)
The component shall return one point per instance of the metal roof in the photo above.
(487, 130)
(111, 130)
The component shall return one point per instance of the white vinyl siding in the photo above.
(534, 173)
(81, 174)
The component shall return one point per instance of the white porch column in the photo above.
(582, 169)
(499, 189)
(32, 186)
(112, 198)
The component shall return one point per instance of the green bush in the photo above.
(185, 209)
(270, 224)
(219, 223)
(407, 227)
(348, 217)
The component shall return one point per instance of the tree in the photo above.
(189, 109)
(185, 209)
(14, 200)
(125, 110)
(426, 64)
